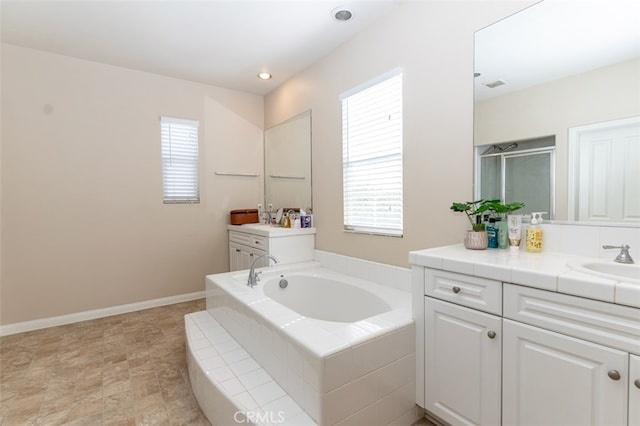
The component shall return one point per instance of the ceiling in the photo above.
(218, 42)
(554, 39)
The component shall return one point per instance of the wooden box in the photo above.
(242, 216)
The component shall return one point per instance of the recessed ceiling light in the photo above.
(341, 14)
(264, 76)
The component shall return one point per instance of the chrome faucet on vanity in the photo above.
(253, 279)
(623, 256)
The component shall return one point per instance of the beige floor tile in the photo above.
(123, 370)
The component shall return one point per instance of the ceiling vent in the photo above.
(493, 84)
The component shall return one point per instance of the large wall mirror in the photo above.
(287, 163)
(562, 76)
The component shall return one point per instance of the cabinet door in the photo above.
(552, 379)
(235, 251)
(242, 257)
(634, 390)
(462, 364)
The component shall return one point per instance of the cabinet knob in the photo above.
(456, 290)
(614, 375)
(491, 334)
(637, 383)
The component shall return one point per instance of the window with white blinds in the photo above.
(372, 156)
(179, 160)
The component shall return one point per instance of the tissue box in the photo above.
(242, 216)
(306, 221)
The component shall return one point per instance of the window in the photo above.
(372, 156)
(179, 160)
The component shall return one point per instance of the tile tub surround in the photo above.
(587, 240)
(553, 271)
(376, 272)
(336, 372)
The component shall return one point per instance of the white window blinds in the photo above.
(179, 160)
(372, 157)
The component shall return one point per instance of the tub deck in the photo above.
(326, 372)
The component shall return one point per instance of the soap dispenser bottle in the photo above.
(534, 233)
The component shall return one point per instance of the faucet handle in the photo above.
(621, 246)
(623, 256)
(257, 275)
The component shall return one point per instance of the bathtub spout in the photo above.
(253, 279)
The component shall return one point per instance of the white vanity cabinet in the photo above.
(244, 247)
(496, 353)
(462, 348)
(247, 242)
(567, 360)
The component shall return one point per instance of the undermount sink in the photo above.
(611, 270)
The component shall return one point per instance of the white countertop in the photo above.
(547, 271)
(270, 231)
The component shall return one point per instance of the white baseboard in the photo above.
(21, 327)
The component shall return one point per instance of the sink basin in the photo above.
(614, 271)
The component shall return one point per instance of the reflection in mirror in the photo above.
(605, 165)
(521, 171)
(562, 67)
(287, 163)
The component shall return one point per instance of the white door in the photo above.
(607, 172)
(462, 364)
(552, 379)
(634, 390)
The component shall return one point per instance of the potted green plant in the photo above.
(476, 238)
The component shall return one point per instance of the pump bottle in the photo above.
(534, 233)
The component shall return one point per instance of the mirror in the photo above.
(552, 69)
(287, 163)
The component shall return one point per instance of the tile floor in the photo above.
(126, 369)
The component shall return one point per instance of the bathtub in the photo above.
(306, 346)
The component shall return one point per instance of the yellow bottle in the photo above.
(534, 233)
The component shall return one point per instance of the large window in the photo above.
(179, 160)
(372, 156)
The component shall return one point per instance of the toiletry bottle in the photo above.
(492, 234)
(503, 233)
(534, 233)
(515, 232)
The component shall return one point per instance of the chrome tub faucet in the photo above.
(253, 279)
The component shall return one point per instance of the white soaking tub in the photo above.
(326, 349)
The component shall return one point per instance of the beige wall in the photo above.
(83, 223)
(433, 43)
(604, 94)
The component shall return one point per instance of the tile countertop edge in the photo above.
(270, 230)
(546, 270)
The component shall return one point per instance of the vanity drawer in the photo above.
(259, 242)
(249, 240)
(611, 325)
(240, 238)
(473, 292)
